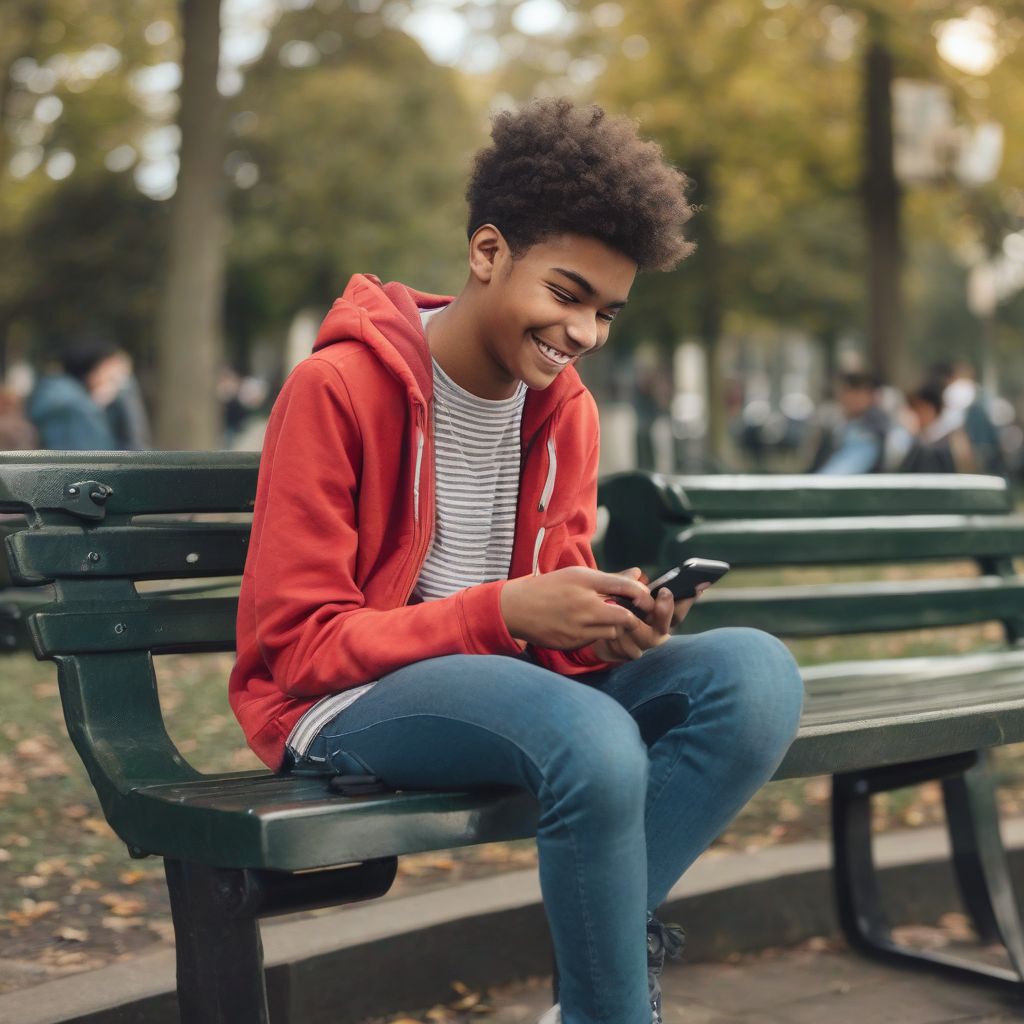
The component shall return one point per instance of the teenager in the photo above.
(421, 602)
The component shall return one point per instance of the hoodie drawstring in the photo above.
(549, 484)
(416, 479)
(545, 498)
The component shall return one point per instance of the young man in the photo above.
(421, 602)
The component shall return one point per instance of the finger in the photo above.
(630, 648)
(660, 619)
(605, 613)
(682, 609)
(614, 584)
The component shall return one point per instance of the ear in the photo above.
(487, 248)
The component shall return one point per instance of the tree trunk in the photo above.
(882, 213)
(709, 314)
(189, 340)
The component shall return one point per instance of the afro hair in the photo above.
(555, 168)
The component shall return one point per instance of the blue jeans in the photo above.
(636, 769)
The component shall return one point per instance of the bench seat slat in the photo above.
(846, 608)
(160, 625)
(166, 551)
(848, 539)
(289, 823)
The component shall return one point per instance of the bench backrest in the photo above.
(103, 528)
(142, 552)
(783, 521)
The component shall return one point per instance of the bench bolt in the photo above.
(94, 556)
(120, 628)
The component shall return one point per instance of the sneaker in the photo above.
(662, 940)
(553, 1016)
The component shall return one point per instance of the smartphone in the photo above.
(686, 580)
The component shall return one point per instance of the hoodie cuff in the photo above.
(483, 625)
(586, 656)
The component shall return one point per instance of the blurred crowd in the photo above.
(944, 425)
(89, 399)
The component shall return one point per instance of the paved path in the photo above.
(797, 986)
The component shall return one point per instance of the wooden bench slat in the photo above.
(847, 608)
(147, 551)
(148, 624)
(142, 482)
(847, 540)
(760, 496)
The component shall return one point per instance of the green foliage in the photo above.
(361, 161)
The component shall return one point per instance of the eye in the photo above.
(606, 317)
(562, 296)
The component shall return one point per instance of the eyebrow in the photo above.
(585, 285)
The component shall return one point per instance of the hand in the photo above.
(631, 643)
(566, 609)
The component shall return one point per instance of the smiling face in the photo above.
(534, 316)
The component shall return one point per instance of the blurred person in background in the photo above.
(965, 405)
(61, 405)
(116, 390)
(16, 433)
(940, 445)
(864, 438)
(93, 405)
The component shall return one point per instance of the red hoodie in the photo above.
(344, 518)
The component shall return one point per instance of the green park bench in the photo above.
(245, 845)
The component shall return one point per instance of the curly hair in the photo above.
(556, 168)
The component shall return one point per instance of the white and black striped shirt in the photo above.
(476, 464)
(476, 445)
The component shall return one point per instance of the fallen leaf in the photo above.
(69, 934)
(52, 866)
(164, 927)
(122, 905)
(75, 811)
(131, 877)
(97, 826)
(30, 911)
(121, 924)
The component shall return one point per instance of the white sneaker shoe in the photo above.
(553, 1016)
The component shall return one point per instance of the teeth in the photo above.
(553, 353)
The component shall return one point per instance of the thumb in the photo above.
(634, 574)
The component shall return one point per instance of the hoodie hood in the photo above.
(386, 319)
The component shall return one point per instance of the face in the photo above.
(855, 401)
(544, 311)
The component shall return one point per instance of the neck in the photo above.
(453, 337)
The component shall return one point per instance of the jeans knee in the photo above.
(601, 774)
(763, 682)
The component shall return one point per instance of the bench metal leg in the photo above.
(980, 863)
(220, 955)
(979, 858)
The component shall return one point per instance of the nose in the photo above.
(582, 329)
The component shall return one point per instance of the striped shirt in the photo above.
(476, 464)
(476, 444)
